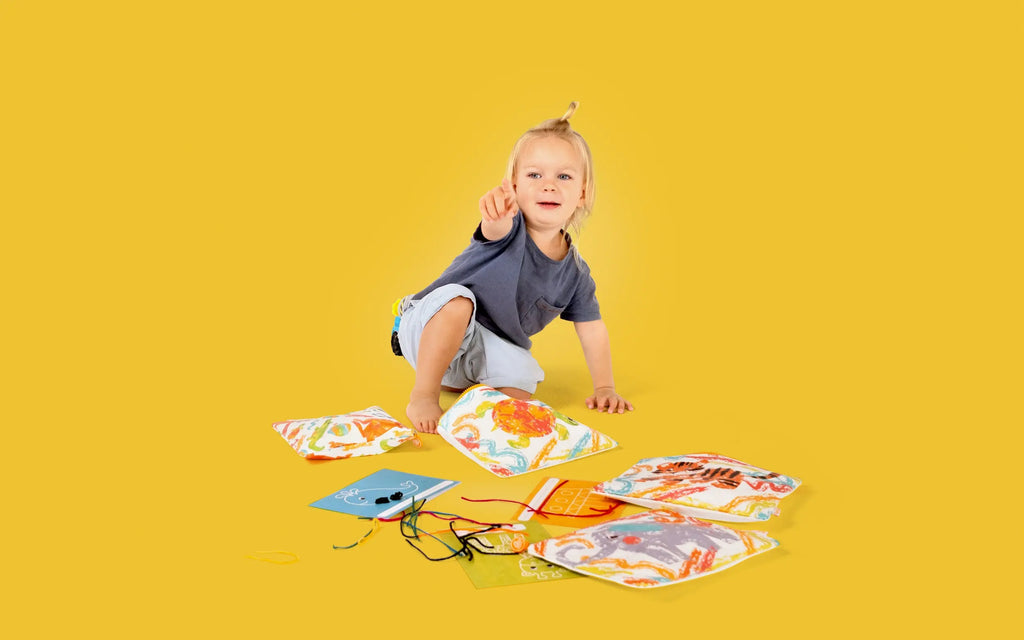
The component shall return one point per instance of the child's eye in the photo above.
(564, 176)
(533, 175)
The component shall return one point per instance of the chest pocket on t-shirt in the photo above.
(539, 315)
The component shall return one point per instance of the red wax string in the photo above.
(552, 492)
(539, 511)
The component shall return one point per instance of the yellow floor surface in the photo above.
(806, 245)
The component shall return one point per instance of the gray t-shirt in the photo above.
(518, 289)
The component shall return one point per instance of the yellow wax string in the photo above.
(366, 536)
(294, 557)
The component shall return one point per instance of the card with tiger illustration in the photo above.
(703, 485)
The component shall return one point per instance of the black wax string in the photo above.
(467, 543)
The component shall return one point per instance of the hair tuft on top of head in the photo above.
(558, 125)
(572, 109)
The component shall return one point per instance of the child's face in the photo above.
(548, 182)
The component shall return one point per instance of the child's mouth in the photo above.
(548, 205)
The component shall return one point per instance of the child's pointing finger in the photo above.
(510, 196)
(498, 202)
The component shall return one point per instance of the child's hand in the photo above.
(605, 399)
(499, 203)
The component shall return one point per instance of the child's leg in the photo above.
(507, 367)
(440, 341)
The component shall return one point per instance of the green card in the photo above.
(499, 571)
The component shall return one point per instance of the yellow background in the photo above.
(805, 240)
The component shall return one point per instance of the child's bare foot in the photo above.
(424, 412)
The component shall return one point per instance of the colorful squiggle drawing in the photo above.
(361, 433)
(480, 422)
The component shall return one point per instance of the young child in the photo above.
(473, 324)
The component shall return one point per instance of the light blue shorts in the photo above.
(483, 357)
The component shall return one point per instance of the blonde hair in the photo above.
(560, 128)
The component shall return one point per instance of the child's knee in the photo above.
(458, 307)
(514, 392)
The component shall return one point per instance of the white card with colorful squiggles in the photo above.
(508, 437)
(703, 485)
(361, 433)
(652, 549)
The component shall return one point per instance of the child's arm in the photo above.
(597, 350)
(497, 208)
